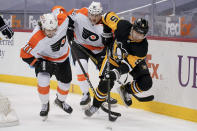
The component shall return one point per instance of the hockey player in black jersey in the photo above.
(128, 50)
(5, 29)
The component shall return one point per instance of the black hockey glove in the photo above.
(112, 75)
(7, 31)
(107, 38)
(70, 30)
(44, 66)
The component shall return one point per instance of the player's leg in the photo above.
(82, 82)
(100, 57)
(81, 79)
(43, 91)
(63, 74)
(142, 82)
(99, 97)
(44, 70)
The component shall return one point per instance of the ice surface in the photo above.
(27, 105)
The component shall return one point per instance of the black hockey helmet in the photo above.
(141, 26)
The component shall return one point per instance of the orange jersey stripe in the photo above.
(62, 13)
(81, 77)
(61, 8)
(70, 12)
(90, 47)
(33, 62)
(39, 35)
(57, 59)
(61, 18)
(62, 92)
(24, 54)
(34, 40)
(83, 11)
(43, 90)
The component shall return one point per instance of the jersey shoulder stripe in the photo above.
(34, 40)
(111, 19)
(83, 11)
(60, 13)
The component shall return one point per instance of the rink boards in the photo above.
(172, 65)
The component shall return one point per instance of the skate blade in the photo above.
(44, 118)
(122, 97)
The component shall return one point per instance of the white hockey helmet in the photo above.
(48, 21)
(95, 8)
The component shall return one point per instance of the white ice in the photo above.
(27, 105)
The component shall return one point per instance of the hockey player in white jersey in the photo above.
(47, 50)
(87, 26)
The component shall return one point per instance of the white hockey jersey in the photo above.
(87, 34)
(54, 49)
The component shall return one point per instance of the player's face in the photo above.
(50, 33)
(94, 18)
(136, 36)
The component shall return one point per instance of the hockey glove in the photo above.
(7, 31)
(107, 38)
(112, 75)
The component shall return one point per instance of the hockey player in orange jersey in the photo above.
(47, 50)
(87, 25)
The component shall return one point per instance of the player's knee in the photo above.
(145, 82)
(103, 86)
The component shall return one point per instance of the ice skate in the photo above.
(126, 97)
(85, 101)
(90, 111)
(64, 106)
(112, 101)
(44, 111)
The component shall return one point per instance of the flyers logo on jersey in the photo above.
(60, 43)
(86, 34)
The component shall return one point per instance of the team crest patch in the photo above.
(63, 42)
(86, 34)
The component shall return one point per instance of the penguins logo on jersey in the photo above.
(60, 43)
(86, 34)
(119, 52)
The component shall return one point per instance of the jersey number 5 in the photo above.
(113, 18)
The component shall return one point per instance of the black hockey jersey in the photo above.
(125, 50)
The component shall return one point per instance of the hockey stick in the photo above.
(109, 89)
(140, 99)
(94, 60)
(90, 84)
(87, 53)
